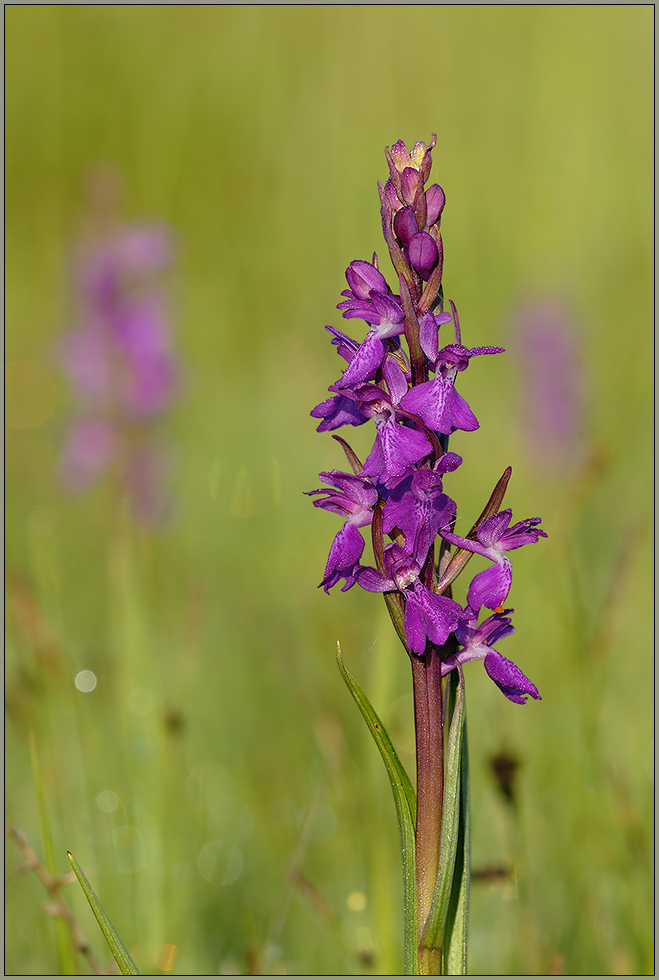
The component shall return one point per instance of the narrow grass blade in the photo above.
(436, 933)
(117, 948)
(405, 800)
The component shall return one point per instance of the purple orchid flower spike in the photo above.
(122, 366)
(405, 381)
(428, 616)
(491, 587)
(355, 498)
(477, 643)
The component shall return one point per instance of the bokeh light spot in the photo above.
(141, 701)
(165, 956)
(220, 862)
(107, 801)
(143, 748)
(129, 849)
(30, 394)
(356, 901)
(85, 681)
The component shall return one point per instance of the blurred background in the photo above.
(175, 716)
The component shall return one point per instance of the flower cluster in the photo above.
(121, 365)
(402, 379)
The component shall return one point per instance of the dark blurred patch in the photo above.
(504, 767)
(490, 873)
(174, 722)
(38, 650)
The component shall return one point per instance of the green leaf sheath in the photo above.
(117, 948)
(458, 914)
(405, 800)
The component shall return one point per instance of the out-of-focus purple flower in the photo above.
(477, 643)
(428, 616)
(120, 361)
(491, 587)
(355, 499)
(552, 375)
(91, 446)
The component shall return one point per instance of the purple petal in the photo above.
(458, 414)
(428, 615)
(429, 336)
(355, 498)
(397, 447)
(494, 528)
(522, 533)
(395, 379)
(428, 402)
(346, 550)
(491, 587)
(391, 319)
(365, 363)
(374, 581)
(337, 411)
(346, 346)
(509, 678)
(363, 277)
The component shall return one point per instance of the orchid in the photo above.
(403, 378)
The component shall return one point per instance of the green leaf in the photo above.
(405, 800)
(436, 934)
(117, 948)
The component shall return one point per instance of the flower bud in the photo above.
(405, 226)
(423, 254)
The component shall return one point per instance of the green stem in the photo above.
(426, 677)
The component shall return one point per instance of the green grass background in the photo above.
(220, 720)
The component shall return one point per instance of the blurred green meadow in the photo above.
(217, 784)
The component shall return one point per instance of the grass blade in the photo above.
(405, 800)
(117, 948)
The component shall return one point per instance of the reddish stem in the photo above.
(426, 676)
